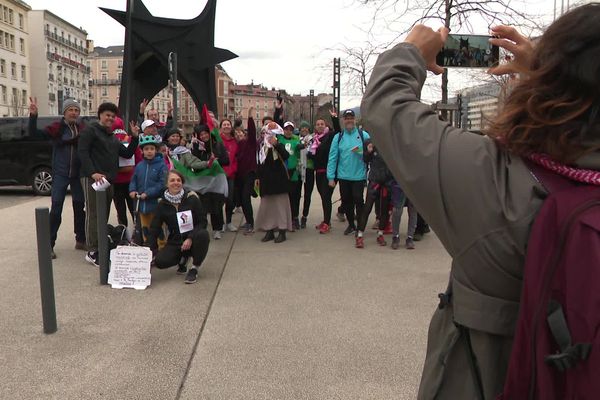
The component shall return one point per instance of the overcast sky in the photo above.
(280, 43)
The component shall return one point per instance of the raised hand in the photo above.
(521, 47)
(135, 129)
(332, 112)
(169, 109)
(33, 108)
(429, 43)
(143, 106)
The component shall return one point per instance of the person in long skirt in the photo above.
(274, 212)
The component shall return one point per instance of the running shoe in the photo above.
(360, 242)
(410, 245)
(395, 243)
(324, 228)
(92, 258)
(217, 235)
(381, 240)
(349, 230)
(230, 227)
(191, 276)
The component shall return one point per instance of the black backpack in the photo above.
(117, 236)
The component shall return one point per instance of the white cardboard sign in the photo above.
(130, 267)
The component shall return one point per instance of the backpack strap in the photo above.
(550, 180)
(570, 353)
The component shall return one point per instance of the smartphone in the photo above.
(468, 51)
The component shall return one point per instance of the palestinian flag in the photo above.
(208, 180)
(214, 130)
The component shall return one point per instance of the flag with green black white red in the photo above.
(208, 180)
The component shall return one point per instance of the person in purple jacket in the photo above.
(246, 173)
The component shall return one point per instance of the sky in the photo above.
(280, 43)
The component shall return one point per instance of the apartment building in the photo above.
(14, 58)
(58, 59)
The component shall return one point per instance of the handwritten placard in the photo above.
(130, 267)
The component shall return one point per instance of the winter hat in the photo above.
(201, 128)
(174, 131)
(70, 103)
(304, 124)
(118, 124)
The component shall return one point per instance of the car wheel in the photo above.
(42, 181)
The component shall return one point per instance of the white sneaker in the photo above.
(217, 235)
(230, 227)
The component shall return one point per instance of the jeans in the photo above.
(352, 193)
(309, 185)
(378, 195)
(325, 191)
(399, 199)
(58, 195)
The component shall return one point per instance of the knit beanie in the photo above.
(70, 103)
(304, 124)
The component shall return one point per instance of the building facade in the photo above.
(321, 105)
(262, 99)
(15, 74)
(58, 59)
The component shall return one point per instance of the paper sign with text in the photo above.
(185, 220)
(130, 267)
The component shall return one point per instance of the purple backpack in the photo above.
(556, 349)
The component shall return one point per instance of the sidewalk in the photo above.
(312, 318)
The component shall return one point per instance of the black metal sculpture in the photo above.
(148, 42)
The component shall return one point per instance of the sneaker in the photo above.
(231, 227)
(349, 230)
(381, 240)
(191, 276)
(248, 230)
(303, 223)
(217, 235)
(270, 235)
(182, 266)
(360, 242)
(395, 243)
(92, 258)
(296, 224)
(324, 228)
(340, 216)
(80, 246)
(410, 245)
(53, 254)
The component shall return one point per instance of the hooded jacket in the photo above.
(149, 177)
(166, 213)
(99, 151)
(443, 169)
(346, 156)
(65, 160)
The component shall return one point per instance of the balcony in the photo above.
(64, 41)
(51, 77)
(57, 57)
(104, 82)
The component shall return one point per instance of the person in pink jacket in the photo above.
(231, 145)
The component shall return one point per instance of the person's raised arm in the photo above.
(251, 129)
(335, 120)
(333, 159)
(129, 151)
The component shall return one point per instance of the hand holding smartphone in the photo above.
(468, 51)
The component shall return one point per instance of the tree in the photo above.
(453, 14)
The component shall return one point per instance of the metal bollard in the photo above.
(101, 204)
(42, 222)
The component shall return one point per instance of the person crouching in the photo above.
(181, 211)
(274, 212)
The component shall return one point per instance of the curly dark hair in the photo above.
(554, 109)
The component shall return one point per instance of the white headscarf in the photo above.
(264, 149)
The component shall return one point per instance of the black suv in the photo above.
(27, 160)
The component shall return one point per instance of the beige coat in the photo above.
(481, 203)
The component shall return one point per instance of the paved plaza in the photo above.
(312, 318)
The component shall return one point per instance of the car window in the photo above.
(11, 129)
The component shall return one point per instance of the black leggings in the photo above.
(295, 194)
(230, 200)
(379, 196)
(171, 254)
(244, 187)
(352, 193)
(212, 203)
(309, 185)
(325, 191)
(123, 202)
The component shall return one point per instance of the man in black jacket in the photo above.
(65, 167)
(99, 152)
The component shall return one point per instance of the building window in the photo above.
(120, 76)
(13, 70)
(104, 64)
(12, 42)
(23, 73)
(24, 97)
(4, 94)
(22, 21)
(3, 67)
(5, 12)
(120, 63)
(104, 91)
(11, 17)
(15, 96)
(104, 76)
(22, 45)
